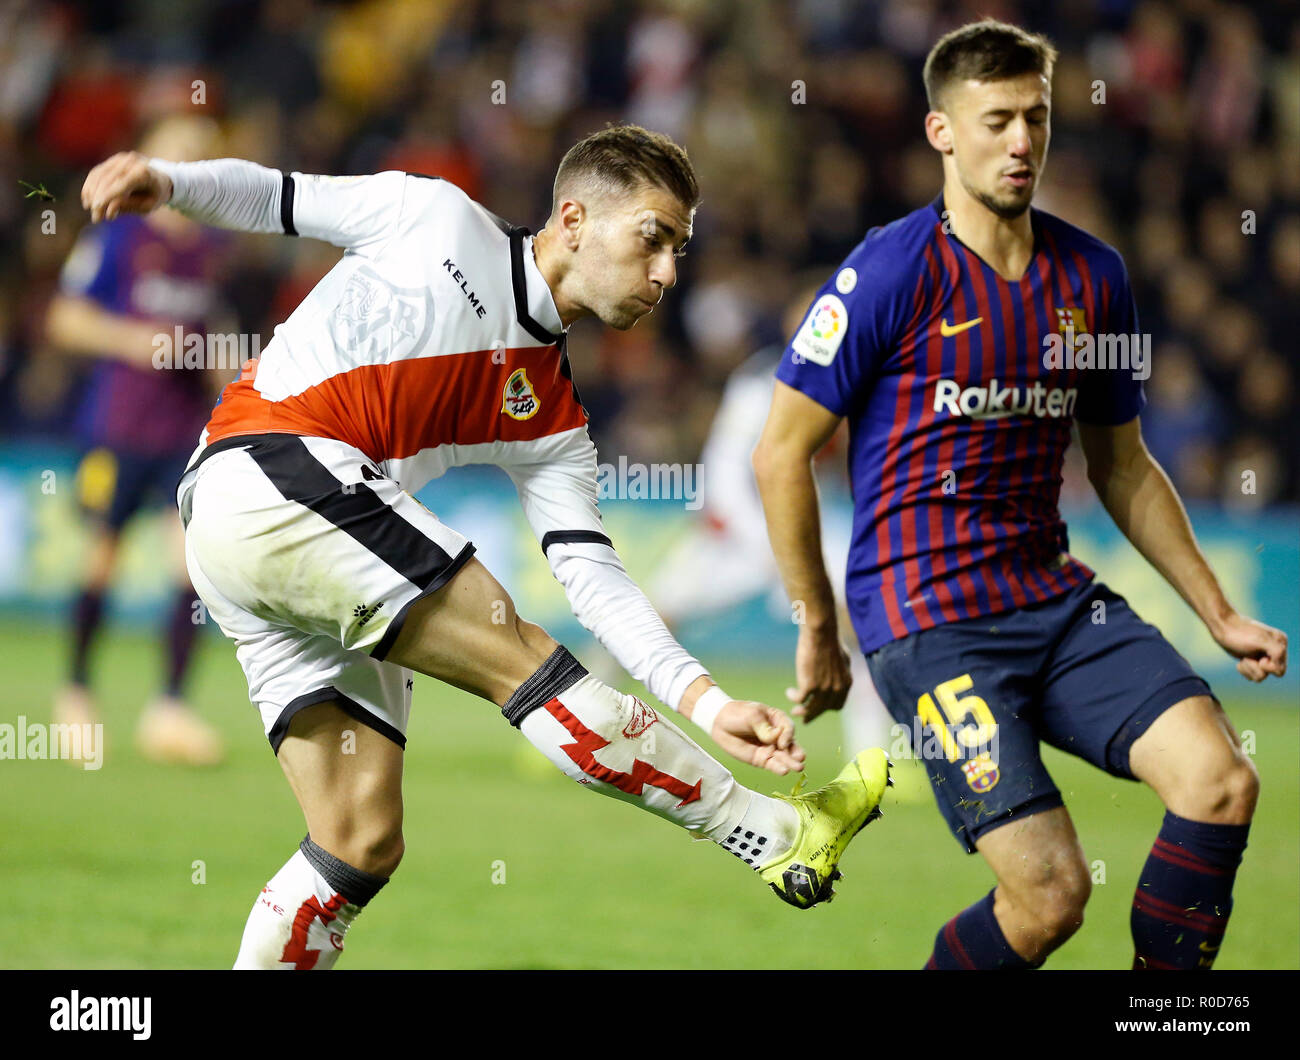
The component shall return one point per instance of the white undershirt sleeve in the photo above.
(225, 192)
(559, 500)
(231, 193)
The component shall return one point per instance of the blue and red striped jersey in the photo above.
(131, 268)
(958, 421)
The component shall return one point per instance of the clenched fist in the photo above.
(124, 183)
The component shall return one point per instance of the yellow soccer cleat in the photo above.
(828, 818)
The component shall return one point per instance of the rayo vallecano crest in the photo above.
(518, 399)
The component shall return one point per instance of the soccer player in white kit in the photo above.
(439, 340)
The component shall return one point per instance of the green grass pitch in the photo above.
(100, 867)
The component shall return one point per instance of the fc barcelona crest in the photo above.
(1071, 320)
(518, 399)
(982, 773)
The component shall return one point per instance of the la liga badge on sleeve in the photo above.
(818, 340)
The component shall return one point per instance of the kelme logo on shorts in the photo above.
(366, 613)
(518, 400)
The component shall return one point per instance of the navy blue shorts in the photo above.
(112, 484)
(1081, 672)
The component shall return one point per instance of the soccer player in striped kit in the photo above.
(439, 340)
(126, 284)
(941, 339)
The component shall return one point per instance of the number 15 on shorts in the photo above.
(960, 719)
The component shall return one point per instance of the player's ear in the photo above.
(572, 217)
(938, 131)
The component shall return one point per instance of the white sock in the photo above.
(300, 918)
(617, 745)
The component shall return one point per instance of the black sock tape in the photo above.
(559, 672)
(356, 886)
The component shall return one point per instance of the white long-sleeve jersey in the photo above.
(433, 343)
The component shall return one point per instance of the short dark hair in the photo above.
(985, 51)
(625, 157)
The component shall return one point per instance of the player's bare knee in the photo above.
(1063, 915)
(1246, 790)
(363, 828)
(1058, 897)
(375, 847)
(1223, 790)
(1233, 793)
(385, 854)
(534, 641)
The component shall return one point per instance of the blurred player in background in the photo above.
(724, 559)
(125, 283)
(983, 634)
(439, 340)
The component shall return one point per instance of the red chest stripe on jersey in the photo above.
(933, 368)
(1089, 300)
(949, 458)
(391, 411)
(1045, 581)
(1058, 579)
(1010, 344)
(588, 743)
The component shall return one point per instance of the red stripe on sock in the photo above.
(1176, 915)
(296, 948)
(954, 944)
(1181, 863)
(1210, 919)
(1176, 855)
(583, 755)
(1151, 911)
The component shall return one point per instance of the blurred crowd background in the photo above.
(804, 120)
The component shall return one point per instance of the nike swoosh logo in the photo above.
(1205, 947)
(956, 329)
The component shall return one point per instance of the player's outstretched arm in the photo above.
(1144, 504)
(797, 427)
(244, 196)
(614, 609)
(226, 192)
(558, 495)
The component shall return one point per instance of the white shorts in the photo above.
(309, 558)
